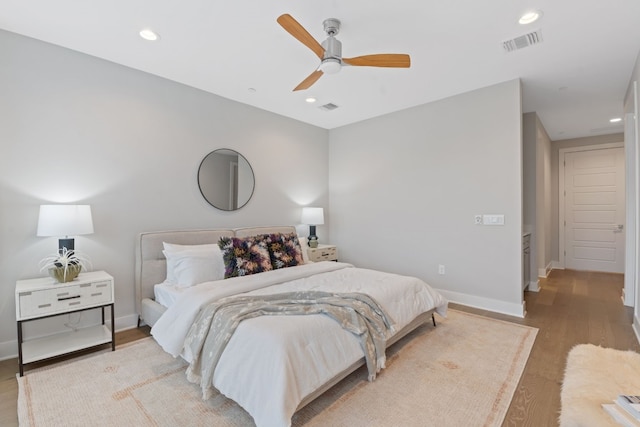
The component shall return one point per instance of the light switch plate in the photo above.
(493, 219)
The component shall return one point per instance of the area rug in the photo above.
(462, 372)
(593, 376)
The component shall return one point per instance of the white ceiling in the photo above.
(575, 79)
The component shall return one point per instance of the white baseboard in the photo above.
(534, 286)
(511, 309)
(555, 265)
(544, 272)
(636, 327)
(9, 349)
(126, 322)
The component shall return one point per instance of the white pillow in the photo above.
(188, 265)
(304, 246)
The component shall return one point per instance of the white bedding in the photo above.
(166, 294)
(273, 362)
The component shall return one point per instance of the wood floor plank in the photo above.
(572, 307)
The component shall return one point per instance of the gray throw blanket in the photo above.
(357, 313)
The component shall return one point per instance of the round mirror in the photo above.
(226, 179)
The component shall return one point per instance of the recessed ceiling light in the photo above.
(148, 34)
(529, 17)
(311, 100)
(616, 120)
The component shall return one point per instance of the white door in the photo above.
(594, 210)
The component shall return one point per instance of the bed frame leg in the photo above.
(433, 319)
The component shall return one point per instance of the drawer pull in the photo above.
(84, 285)
(24, 294)
(62, 294)
(102, 285)
(96, 294)
(66, 298)
(44, 305)
(75, 302)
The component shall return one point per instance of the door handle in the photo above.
(618, 228)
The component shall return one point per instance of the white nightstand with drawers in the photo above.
(44, 297)
(323, 253)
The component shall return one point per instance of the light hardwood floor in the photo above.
(571, 308)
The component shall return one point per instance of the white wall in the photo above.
(543, 199)
(74, 128)
(529, 174)
(404, 189)
(632, 107)
(537, 195)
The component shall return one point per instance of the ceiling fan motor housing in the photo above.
(332, 60)
(332, 48)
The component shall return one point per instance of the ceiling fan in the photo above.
(330, 51)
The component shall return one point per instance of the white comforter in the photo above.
(273, 362)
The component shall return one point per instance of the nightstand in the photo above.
(323, 253)
(44, 297)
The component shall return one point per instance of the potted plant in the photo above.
(65, 265)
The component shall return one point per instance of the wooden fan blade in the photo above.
(294, 28)
(395, 60)
(306, 83)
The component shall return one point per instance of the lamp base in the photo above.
(66, 243)
(312, 240)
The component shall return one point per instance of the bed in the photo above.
(272, 365)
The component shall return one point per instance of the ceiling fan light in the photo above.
(330, 65)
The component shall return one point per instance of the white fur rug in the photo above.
(593, 376)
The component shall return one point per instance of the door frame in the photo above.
(631, 164)
(561, 189)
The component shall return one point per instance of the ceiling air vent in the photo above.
(328, 107)
(521, 42)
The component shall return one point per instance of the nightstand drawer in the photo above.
(96, 293)
(323, 253)
(47, 301)
(64, 298)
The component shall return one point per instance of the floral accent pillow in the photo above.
(249, 255)
(284, 250)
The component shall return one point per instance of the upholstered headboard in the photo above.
(151, 265)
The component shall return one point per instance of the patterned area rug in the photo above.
(463, 372)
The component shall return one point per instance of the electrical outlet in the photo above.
(440, 269)
(477, 220)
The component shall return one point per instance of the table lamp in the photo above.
(312, 217)
(64, 220)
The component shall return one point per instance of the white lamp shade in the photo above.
(312, 216)
(64, 220)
